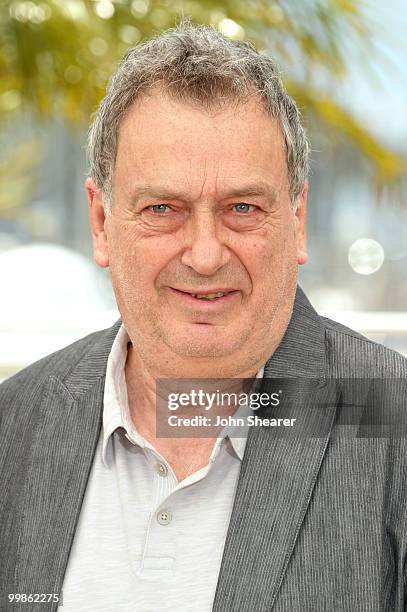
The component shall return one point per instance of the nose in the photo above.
(205, 252)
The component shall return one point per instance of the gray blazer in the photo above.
(319, 521)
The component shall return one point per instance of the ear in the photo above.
(97, 220)
(301, 226)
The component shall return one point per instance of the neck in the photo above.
(144, 393)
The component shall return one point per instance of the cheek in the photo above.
(261, 254)
(136, 262)
(270, 261)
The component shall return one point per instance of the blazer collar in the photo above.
(92, 367)
(301, 353)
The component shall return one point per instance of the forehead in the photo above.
(161, 136)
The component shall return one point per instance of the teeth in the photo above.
(208, 296)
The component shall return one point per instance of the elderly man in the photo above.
(197, 196)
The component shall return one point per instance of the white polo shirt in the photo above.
(144, 541)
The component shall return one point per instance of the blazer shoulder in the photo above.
(353, 354)
(58, 364)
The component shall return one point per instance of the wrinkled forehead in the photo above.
(178, 149)
(218, 103)
(161, 131)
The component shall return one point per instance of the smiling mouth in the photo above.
(219, 296)
(209, 296)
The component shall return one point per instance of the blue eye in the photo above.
(159, 206)
(243, 208)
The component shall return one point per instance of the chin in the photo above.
(205, 341)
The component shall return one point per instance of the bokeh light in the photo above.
(139, 8)
(104, 9)
(230, 28)
(366, 256)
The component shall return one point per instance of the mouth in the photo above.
(206, 300)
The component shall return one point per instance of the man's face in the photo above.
(201, 205)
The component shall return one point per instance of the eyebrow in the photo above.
(253, 189)
(140, 191)
(259, 189)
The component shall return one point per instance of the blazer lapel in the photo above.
(70, 417)
(279, 470)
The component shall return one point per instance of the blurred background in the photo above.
(345, 63)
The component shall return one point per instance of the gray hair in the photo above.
(197, 64)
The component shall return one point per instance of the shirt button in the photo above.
(161, 469)
(164, 517)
